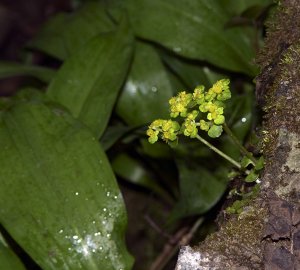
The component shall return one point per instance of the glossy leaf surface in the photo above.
(89, 81)
(147, 90)
(65, 33)
(194, 29)
(58, 198)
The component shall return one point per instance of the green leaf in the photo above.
(191, 74)
(237, 7)
(58, 198)
(245, 162)
(11, 69)
(200, 190)
(251, 177)
(260, 163)
(194, 29)
(88, 82)
(112, 134)
(133, 171)
(8, 259)
(147, 90)
(65, 33)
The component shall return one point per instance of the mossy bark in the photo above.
(267, 234)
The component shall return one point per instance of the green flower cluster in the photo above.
(208, 116)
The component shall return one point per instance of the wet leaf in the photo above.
(65, 33)
(147, 90)
(194, 29)
(59, 199)
(88, 82)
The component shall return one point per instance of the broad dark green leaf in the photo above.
(133, 171)
(58, 198)
(200, 189)
(89, 81)
(8, 259)
(147, 90)
(191, 74)
(194, 29)
(237, 7)
(11, 69)
(65, 33)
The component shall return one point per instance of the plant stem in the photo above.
(222, 154)
(236, 141)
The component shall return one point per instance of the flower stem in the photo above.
(222, 154)
(235, 140)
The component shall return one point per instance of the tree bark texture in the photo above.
(267, 233)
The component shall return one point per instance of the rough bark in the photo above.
(267, 234)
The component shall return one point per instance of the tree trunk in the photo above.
(267, 233)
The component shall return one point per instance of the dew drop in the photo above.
(76, 193)
(108, 235)
(61, 231)
(154, 89)
(107, 193)
(177, 49)
(104, 209)
(75, 237)
(244, 119)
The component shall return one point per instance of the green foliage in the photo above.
(93, 76)
(184, 105)
(8, 259)
(193, 29)
(60, 195)
(200, 189)
(121, 61)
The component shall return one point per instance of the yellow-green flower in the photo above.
(170, 130)
(167, 128)
(204, 125)
(179, 104)
(214, 113)
(190, 128)
(199, 95)
(220, 91)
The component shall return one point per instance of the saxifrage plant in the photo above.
(121, 61)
